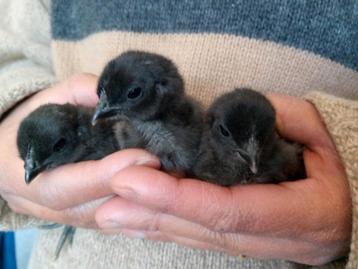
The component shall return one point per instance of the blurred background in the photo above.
(15, 248)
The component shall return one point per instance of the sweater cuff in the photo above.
(341, 118)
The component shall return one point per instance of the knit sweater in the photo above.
(302, 48)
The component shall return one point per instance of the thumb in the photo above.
(298, 120)
(79, 89)
(82, 89)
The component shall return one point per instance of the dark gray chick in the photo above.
(54, 135)
(148, 90)
(240, 143)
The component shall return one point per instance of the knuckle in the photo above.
(219, 239)
(221, 222)
(172, 204)
(155, 224)
(157, 236)
(230, 243)
(222, 219)
(77, 218)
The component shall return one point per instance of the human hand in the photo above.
(306, 221)
(68, 194)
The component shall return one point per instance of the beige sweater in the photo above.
(31, 61)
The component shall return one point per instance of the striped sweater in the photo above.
(302, 48)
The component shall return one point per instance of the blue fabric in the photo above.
(326, 27)
(7, 251)
(24, 242)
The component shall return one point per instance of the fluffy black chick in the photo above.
(54, 135)
(148, 90)
(241, 145)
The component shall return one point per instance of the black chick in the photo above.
(54, 135)
(240, 143)
(148, 90)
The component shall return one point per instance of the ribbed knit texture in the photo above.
(25, 62)
(212, 64)
(341, 118)
(93, 250)
(320, 26)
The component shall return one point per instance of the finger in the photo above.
(80, 216)
(253, 247)
(163, 237)
(327, 169)
(139, 222)
(259, 248)
(298, 120)
(120, 214)
(82, 89)
(79, 90)
(74, 184)
(245, 209)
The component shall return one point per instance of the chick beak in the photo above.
(31, 169)
(253, 167)
(103, 110)
(250, 160)
(30, 174)
(252, 151)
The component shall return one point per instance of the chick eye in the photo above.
(224, 131)
(100, 89)
(164, 82)
(59, 144)
(134, 93)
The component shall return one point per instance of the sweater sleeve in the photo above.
(25, 54)
(341, 118)
(25, 67)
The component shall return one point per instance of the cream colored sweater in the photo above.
(212, 60)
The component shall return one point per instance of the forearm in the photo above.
(340, 117)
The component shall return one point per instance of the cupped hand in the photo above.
(306, 221)
(68, 194)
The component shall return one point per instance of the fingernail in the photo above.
(134, 234)
(110, 224)
(146, 160)
(126, 192)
